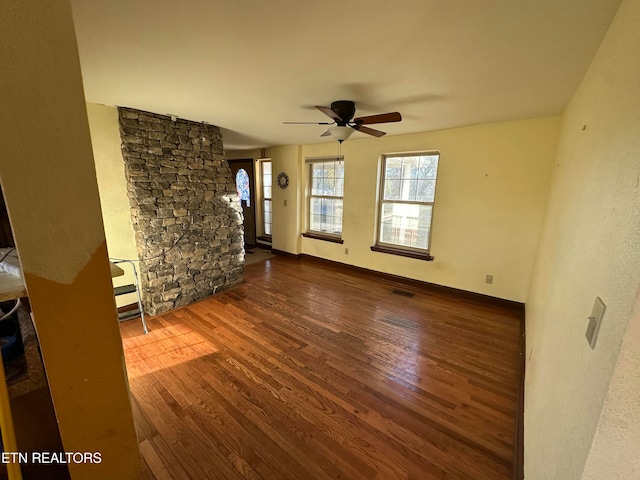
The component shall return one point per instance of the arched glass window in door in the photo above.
(242, 185)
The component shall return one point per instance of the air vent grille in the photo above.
(404, 293)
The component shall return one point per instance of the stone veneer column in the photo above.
(181, 190)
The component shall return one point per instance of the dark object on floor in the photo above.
(10, 334)
(9, 347)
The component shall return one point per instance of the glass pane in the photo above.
(428, 166)
(392, 189)
(317, 169)
(402, 173)
(426, 190)
(327, 179)
(405, 225)
(387, 233)
(410, 167)
(315, 222)
(408, 190)
(337, 208)
(316, 185)
(326, 215)
(242, 186)
(421, 238)
(424, 216)
(266, 179)
(316, 206)
(329, 169)
(329, 186)
(266, 220)
(393, 167)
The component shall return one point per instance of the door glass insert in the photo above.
(242, 185)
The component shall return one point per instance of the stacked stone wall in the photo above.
(184, 209)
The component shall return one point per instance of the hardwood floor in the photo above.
(309, 371)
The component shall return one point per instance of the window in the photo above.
(267, 178)
(407, 196)
(242, 186)
(326, 187)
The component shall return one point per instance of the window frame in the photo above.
(263, 231)
(396, 249)
(316, 234)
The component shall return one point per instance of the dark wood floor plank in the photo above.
(310, 371)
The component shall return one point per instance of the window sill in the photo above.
(326, 238)
(402, 252)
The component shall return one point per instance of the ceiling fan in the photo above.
(342, 112)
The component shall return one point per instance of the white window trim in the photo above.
(315, 233)
(392, 248)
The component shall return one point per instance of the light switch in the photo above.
(595, 319)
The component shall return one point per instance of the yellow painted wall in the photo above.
(590, 247)
(112, 185)
(492, 187)
(617, 441)
(48, 177)
(286, 218)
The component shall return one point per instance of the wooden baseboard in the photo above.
(286, 254)
(419, 284)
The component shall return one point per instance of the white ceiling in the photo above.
(249, 65)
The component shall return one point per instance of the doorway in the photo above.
(244, 176)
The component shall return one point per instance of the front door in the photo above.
(243, 175)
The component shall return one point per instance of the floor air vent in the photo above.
(404, 293)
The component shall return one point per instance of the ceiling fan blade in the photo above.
(326, 134)
(308, 123)
(369, 131)
(381, 118)
(329, 113)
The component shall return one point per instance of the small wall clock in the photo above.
(283, 180)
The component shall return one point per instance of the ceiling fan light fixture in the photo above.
(340, 133)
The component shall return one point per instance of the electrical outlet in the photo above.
(346, 250)
(488, 279)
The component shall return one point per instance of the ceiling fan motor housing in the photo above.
(345, 109)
